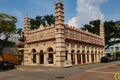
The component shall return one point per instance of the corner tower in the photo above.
(26, 33)
(60, 37)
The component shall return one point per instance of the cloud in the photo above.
(87, 10)
(17, 13)
(72, 21)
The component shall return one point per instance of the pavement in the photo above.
(105, 71)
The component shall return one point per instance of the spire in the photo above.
(59, 18)
(59, 1)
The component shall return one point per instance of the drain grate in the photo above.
(111, 67)
(118, 64)
(81, 68)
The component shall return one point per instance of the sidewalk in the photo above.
(36, 68)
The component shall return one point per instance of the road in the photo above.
(84, 72)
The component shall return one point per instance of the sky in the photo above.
(77, 12)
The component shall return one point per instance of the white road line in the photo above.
(100, 67)
(102, 72)
(93, 70)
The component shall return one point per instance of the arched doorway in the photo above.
(78, 57)
(66, 55)
(34, 55)
(92, 56)
(50, 55)
(41, 57)
(88, 56)
(83, 56)
(73, 57)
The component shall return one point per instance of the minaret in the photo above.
(102, 34)
(26, 34)
(60, 39)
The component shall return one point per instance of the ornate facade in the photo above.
(61, 44)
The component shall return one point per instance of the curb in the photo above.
(117, 76)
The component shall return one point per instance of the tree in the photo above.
(7, 28)
(35, 23)
(92, 27)
(44, 20)
(112, 31)
(21, 40)
(50, 19)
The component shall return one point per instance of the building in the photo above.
(61, 44)
(13, 38)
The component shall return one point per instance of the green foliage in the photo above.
(112, 31)
(20, 31)
(7, 43)
(42, 20)
(7, 27)
(117, 54)
(21, 58)
(7, 24)
(92, 27)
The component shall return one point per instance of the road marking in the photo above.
(93, 70)
(117, 76)
(99, 68)
(102, 72)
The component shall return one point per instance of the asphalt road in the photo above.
(48, 73)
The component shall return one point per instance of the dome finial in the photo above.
(59, 1)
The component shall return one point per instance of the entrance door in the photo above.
(41, 58)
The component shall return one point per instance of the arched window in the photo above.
(50, 55)
(50, 49)
(33, 50)
(72, 51)
(41, 57)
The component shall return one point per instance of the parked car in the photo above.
(6, 64)
(105, 59)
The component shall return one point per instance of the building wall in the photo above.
(80, 50)
(39, 46)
